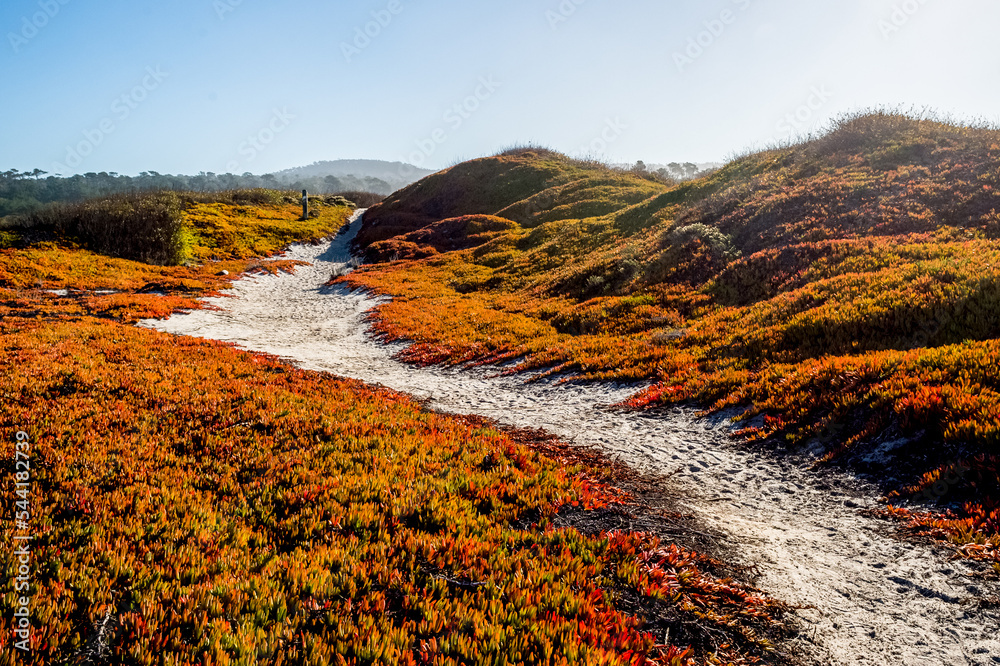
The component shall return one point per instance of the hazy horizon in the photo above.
(230, 86)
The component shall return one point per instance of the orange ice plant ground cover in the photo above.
(835, 292)
(195, 504)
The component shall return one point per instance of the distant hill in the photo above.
(395, 174)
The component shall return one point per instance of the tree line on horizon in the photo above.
(674, 171)
(24, 192)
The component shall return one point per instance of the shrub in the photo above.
(257, 197)
(8, 239)
(721, 244)
(595, 285)
(245, 197)
(361, 199)
(146, 227)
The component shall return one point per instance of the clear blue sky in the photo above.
(183, 86)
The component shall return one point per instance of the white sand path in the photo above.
(874, 600)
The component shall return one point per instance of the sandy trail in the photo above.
(873, 599)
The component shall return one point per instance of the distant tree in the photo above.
(27, 191)
(332, 184)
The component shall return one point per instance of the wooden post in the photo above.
(305, 205)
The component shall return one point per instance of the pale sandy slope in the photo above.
(873, 599)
